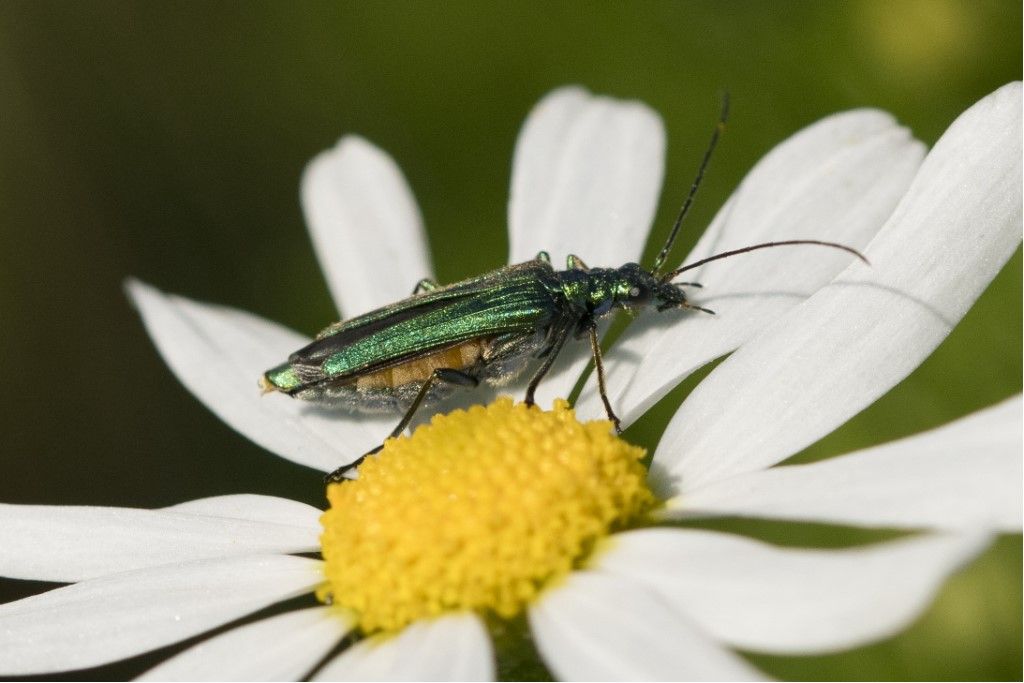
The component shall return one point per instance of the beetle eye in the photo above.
(634, 293)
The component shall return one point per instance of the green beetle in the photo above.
(488, 328)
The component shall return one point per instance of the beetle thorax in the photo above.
(598, 291)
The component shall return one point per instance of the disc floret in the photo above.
(479, 510)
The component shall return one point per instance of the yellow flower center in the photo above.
(478, 510)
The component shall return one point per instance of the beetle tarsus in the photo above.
(338, 475)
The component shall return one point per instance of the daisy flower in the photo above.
(502, 510)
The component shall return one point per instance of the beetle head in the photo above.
(669, 295)
(638, 288)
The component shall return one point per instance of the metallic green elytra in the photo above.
(488, 328)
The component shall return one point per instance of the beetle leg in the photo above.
(574, 262)
(439, 375)
(339, 474)
(549, 359)
(595, 348)
(427, 284)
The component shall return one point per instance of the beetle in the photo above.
(414, 352)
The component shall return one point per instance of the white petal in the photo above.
(68, 543)
(253, 507)
(836, 180)
(220, 353)
(763, 598)
(966, 475)
(859, 336)
(103, 620)
(585, 179)
(365, 226)
(281, 648)
(449, 648)
(605, 628)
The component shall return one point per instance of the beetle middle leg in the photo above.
(549, 360)
(447, 375)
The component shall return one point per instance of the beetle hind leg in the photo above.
(446, 375)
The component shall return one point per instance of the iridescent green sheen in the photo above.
(519, 305)
(523, 310)
(283, 377)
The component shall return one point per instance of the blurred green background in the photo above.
(165, 141)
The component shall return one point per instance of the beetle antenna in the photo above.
(785, 243)
(719, 127)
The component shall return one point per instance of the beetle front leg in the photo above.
(439, 375)
(595, 349)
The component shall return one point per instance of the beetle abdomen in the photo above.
(419, 370)
(495, 360)
(393, 389)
